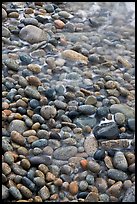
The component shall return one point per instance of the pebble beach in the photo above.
(68, 102)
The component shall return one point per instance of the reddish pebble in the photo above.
(59, 24)
(84, 163)
(73, 187)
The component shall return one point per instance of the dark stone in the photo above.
(55, 135)
(99, 154)
(28, 183)
(131, 124)
(106, 131)
(82, 195)
(34, 103)
(102, 111)
(22, 110)
(73, 114)
(38, 118)
(26, 73)
(25, 59)
(50, 93)
(65, 178)
(42, 159)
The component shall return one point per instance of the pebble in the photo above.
(17, 125)
(92, 197)
(129, 195)
(15, 192)
(48, 112)
(40, 182)
(123, 108)
(6, 168)
(25, 192)
(4, 14)
(39, 143)
(50, 177)
(74, 56)
(119, 118)
(17, 138)
(106, 130)
(130, 157)
(33, 80)
(73, 187)
(112, 144)
(33, 34)
(32, 92)
(8, 157)
(28, 183)
(5, 192)
(108, 162)
(13, 15)
(99, 154)
(17, 169)
(36, 160)
(64, 153)
(90, 145)
(101, 185)
(117, 175)
(29, 21)
(44, 193)
(59, 24)
(131, 124)
(5, 32)
(93, 166)
(119, 161)
(34, 68)
(12, 64)
(115, 189)
(103, 197)
(87, 109)
(83, 185)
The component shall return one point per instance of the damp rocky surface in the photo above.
(68, 102)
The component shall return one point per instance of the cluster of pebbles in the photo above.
(68, 99)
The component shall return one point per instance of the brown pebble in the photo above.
(50, 176)
(122, 129)
(17, 138)
(30, 113)
(6, 168)
(21, 103)
(58, 182)
(13, 15)
(131, 168)
(130, 157)
(93, 188)
(43, 168)
(92, 197)
(33, 80)
(28, 133)
(7, 112)
(87, 129)
(25, 164)
(31, 139)
(29, 11)
(115, 189)
(73, 187)
(25, 192)
(59, 24)
(113, 199)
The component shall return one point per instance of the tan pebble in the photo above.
(110, 84)
(39, 173)
(34, 68)
(22, 201)
(25, 192)
(13, 15)
(108, 162)
(33, 80)
(6, 168)
(58, 182)
(87, 129)
(10, 183)
(18, 116)
(130, 157)
(22, 150)
(17, 138)
(25, 164)
(59, 24)
(39, 181)
(50, 176)
(73, 187)
(43, 168)
(77, 130)
(44, 193)
(31, 139)
(30, 113)
(74, 56)
(119, 143)
(19, 185)
(115, 189)
(37, 199)
(110, 182)
(35, 126)
(29, 11)
(124, 62)
(65, 186)
(8, 157)
(15, 145)
(21, 103)
(43, 11)
(54, 196)
(28, 133)
(39, 3)
(5, 105)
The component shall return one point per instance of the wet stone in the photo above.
(86, 109)
(119, 161)
(123, 108)
(15, 192)
(129, 195)
(39, 143)
(106, 130)
(17, 125)
(32, 92)
(90, 145)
